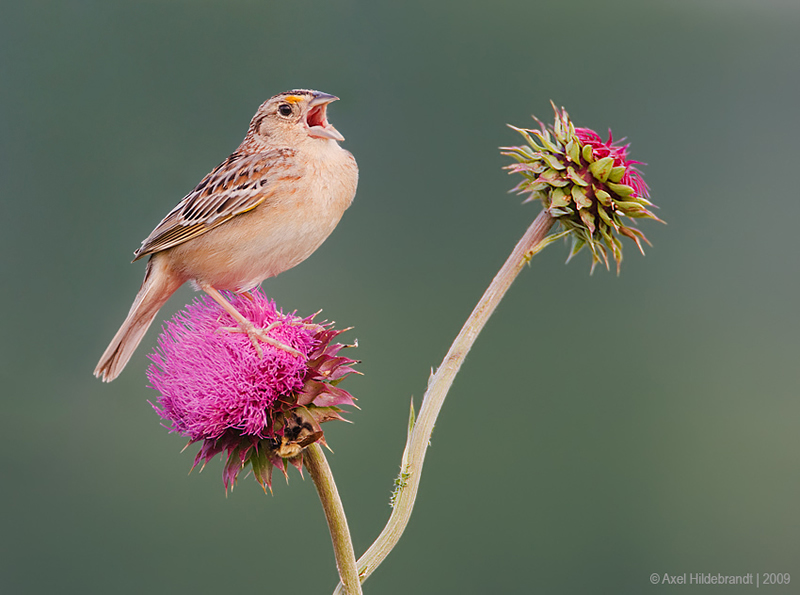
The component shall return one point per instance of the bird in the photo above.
(263, 210)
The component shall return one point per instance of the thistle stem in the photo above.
(438, 386)
(320, 471)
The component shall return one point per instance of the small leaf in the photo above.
(628, 231)
(616, 173)
(603, 197)
(544, 243)
(609, 240)
(599, 254)
(588, 154)
(560, 211)
(601, 168)
(523, 153)
(620, 189)
(643, 214)
(588, 219)
(539, 184)
(553, 161)
(637, 233)
(580, 197)
(558, 126)
(535, 195)
(577, 245)
(559, 198)
(574, 151)
(629, 207)
(526, 135)
(535, 167)
(605, 217)
(640, 199)
(553, 178)
(576, 177)
(548, 144)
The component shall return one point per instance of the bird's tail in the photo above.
(156, 289)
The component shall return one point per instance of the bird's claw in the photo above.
(257, 335)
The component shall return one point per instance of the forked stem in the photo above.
(317, 465)
(533, 241)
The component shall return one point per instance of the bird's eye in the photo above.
(285, 109)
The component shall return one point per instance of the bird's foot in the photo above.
(257, 335)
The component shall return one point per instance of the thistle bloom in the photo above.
(586, 184)
(260, 411)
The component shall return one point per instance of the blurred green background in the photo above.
(604, 428)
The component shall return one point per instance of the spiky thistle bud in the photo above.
(586, 184)
(261, 411)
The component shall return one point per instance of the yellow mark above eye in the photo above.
(292, 98)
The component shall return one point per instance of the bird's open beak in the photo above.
(317, 122)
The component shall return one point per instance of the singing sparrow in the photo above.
(263, 210)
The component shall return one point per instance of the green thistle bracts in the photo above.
(586, 184)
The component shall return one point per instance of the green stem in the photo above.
(533, 241)
(320, 472)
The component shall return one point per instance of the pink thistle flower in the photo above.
(215, 389)
(588, 185)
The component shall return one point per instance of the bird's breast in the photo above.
(303, 203)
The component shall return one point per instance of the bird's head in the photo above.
(294, 117)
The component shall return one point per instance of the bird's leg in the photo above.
(245, 326)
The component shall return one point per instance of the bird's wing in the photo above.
(239, 184)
